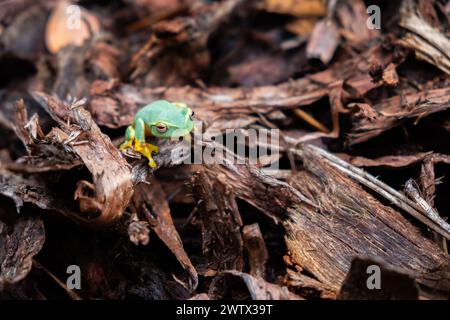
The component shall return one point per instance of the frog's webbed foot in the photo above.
(127, 144)
(146, 150)
(129, 139)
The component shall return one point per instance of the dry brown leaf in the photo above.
(64, 29)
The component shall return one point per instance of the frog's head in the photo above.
(177, 120)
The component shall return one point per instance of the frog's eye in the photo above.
(192, 115)
(161, 127)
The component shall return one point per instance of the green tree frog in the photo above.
(160, 119)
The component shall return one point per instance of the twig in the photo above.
(379, 187)
(310, 120)
(73, 295)
(414, 194)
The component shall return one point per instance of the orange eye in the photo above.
(161, 127)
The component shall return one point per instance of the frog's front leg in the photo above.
(141, 146)
(129, 138)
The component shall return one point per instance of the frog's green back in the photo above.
(162, 110)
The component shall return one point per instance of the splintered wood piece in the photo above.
(428, 42)
(352, 223)
(431, 213)
(397, 198)
(369, 122)
(330, 219)
(30, 190)
(309, 287)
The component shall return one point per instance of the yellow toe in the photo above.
(146, 150)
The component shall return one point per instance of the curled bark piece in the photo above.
(111, 177)
(239, 285)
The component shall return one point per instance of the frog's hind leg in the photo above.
(141, 146)
(129, 138)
